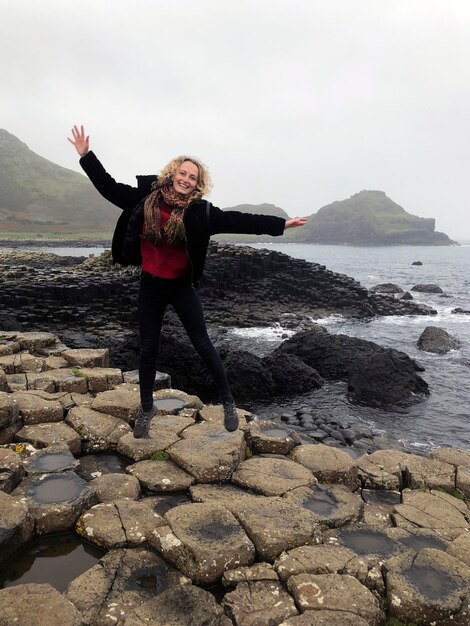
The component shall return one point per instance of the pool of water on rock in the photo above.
(56, 560)
(170, 404)
(321, 503)
(52, 462)
(368, 542)
(56, 489)
(93, 465)
(431, 583)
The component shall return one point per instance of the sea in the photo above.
(444, 418)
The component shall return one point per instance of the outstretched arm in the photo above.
(123, 196)
(296, 221)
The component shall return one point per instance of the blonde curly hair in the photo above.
(204, 183)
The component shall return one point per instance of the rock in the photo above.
(460, 459)
(121, 582)
(392, 470)
(333, 505)
(11, 469)
(268, 437)
(36, 342)
(162, 380)
(56, 458)
(272, 476)
(163, 399)
(328, 465)
(460, 310)
(274, 525)
(209, 460)
(202, 541)
(437, 341)
(260, 603)
(417, 263)
(4, 386)
(460, 548)
(246, 574)
(55, 500)
(115, 486)
(120, 523)
(248, 376)
(290, 373)
(333, 355)
(98, 431)
(184, 605)
(87, 357)
(448, 517)
(385, 379)
(386, 288)
(161, 476)
(48, 434)
(63, 379)
(121, 403)
(35, 410)
(335, 592)
(429, 588)
(320, 559)
(9, 418)
(36, 605)
(427, 288)
(16, 527)
(230, 496)
(326, 618)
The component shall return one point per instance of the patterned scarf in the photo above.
(174, 228)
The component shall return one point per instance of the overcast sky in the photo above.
(293, 102)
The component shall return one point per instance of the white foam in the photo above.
(270, 333)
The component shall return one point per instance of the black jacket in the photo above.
(201, 219)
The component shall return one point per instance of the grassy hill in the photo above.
(38, 196)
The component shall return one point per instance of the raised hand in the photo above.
(80, 140)
(296, 221)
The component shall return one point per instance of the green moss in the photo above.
(160, 455)
(393, 621)
(248, 452)
(78, 373)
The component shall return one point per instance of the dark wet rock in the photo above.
(161, 476)
(98, 431)
(264, 436)
(395, 470)
(335, 592)
(333, 355)
(429, 588)
(385, 379)
(16, 526)
(249, 573)
(11, 469)
(94, 465)
(274, 525)
(427, 288)
(55, 500)
(437, 340)
(110, 487)
(122, 581)
(259, 603)
(405, 296)
(248, 376)
(386, 288)
(333, 505)
(120, 523)
(4, 385)
(184, 605)
(272, 476)
(211, 460)
(319, 559)
(202, 541)
(290, 373)
(328, 465)
(56, 458)
(9, 418)
(447, 516)
(37, 605)
(48, 434)
(417, 263)
(35, 410)
(461, 311)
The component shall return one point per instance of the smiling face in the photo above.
(185, 177)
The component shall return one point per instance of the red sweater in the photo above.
(164, 260)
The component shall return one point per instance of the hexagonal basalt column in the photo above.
(203, 540)
(272, 476)
(99, 432)
(37, 605)
(11, 469)
(267, 437)
(55, 500)
(328, 465)
(333, 505)
(16, 526)
(48, 434)
(52, 459)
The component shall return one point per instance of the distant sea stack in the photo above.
(370, 218)
(38, 196)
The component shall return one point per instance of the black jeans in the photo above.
(154, 296)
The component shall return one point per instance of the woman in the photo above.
(165, 227)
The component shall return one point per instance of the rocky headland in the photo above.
(198, 526)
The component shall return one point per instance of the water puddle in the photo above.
(274, 432)
(55, 489)
(381, 497)
(56, 560)
(94, 465)
(321, 502)
(366, 541)
(431, 583)
(215, 531)
(50, 462)
(419, 542)
(170, 404)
